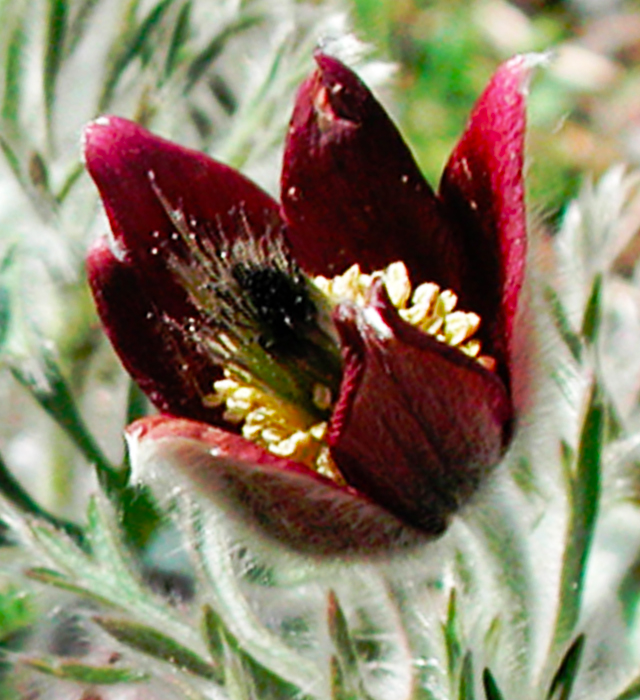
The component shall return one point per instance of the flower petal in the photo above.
(351, 190)
(417, 424)
(273, 496)
(149, 188)
(174, 373)
(482, 186)
(133, 167)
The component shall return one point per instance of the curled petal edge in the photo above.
(482, 187)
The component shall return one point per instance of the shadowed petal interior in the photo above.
(172, 372)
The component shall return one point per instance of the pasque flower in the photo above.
(313, 373)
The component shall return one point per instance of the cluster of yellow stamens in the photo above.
(429, 308)
(288, 431)
(279, 427)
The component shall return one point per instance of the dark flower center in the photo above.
(281, 304)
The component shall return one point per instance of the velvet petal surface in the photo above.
(285, 500)
(351, 190)
(418, 424)
(150, 187)
(483, 187)
(350, 181)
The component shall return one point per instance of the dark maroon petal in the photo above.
(278, 498)
(214, 200)
(483, 187)
(418, 424)
(146, 311)
(351, 190)
(173, 373)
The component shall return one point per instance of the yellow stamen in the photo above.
(429, 308)
(279, 427)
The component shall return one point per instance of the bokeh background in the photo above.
(585, 108)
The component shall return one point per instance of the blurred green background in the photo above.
(584, 109)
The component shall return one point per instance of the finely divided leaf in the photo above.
(561, 321)
(63, 583)
(346, 672)
(51, 391)
(84, 673)
(584, 503)
(214, 634)
(239, 620)
(11, 488)
(466, 690)
(450, 629)
(160, 646)
(54, 52)
(491, 690)
(593, 312)
(215, 47)
(131, 47)
(14, 73)
(178, 39)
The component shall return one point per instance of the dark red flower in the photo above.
(198, 264)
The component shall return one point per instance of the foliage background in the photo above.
(220, 76)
